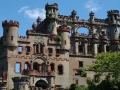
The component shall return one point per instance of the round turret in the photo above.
(73, 14)
(91, 17)
(113, 16)
(10, 32)
(64, 32)
(38, 20)
(34, 26)
(63, 28)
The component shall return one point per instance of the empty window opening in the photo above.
(83, 30)
(37, 48)
(35, 66)
(58, 51)
(80, 63)
(80, 48)
(26, 65)
(17, 67)
(60, 69)
(50, 50)
(12, 38)
(107, 48)
(19, 48)
(97, 78)
(27, 48)
(89, 49)
(41, 48)
(103, 32)
(43, 67)
(52, 66)
(65, 42)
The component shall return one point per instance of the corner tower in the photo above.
(10, 32)
(64, 32)
(52, 10)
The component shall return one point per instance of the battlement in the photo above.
(23, 38)
(10, 23)
(48, 6)
(63, 28)
(113, 12)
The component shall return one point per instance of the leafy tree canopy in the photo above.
(108, 62)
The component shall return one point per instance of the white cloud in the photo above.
(92, 6)
(34, 13)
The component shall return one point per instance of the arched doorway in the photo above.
(42, 83)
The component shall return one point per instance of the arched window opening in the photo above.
(43, 67)
(83, 30)
(60, 69)
(52, 66)
(41, 48)
(35, 66)
(27, 65)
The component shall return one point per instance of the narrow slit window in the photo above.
(17, 67)
(52, 67)
(12, 38)
(60, 69)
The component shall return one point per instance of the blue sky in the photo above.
(27, 11)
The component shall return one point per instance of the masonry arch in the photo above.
(39, 57)
(42, 83)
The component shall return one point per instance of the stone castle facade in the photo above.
(49, 57)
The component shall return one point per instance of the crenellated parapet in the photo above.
(10, 23)
(63, 28)
(111, 12)
(30, 32)
(23, 39)
(49, 6)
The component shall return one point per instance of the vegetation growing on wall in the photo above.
(57, 38)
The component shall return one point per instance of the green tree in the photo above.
(107, 63)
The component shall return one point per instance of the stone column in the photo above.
(48, 68)
(104, 48)
(95, 41)
(75, 47)
(31, 66)
(34, 49)
(95, 49)
(85, 51)
(40, 68)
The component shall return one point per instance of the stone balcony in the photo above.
(38, 73)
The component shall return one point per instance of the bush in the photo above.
(57, 38)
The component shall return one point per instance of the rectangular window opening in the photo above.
(41, 49)
(19, 48)
(17, 67)
(58, 51)
(27, 48)
(80, 63)
(50, 50)
(12, 38)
